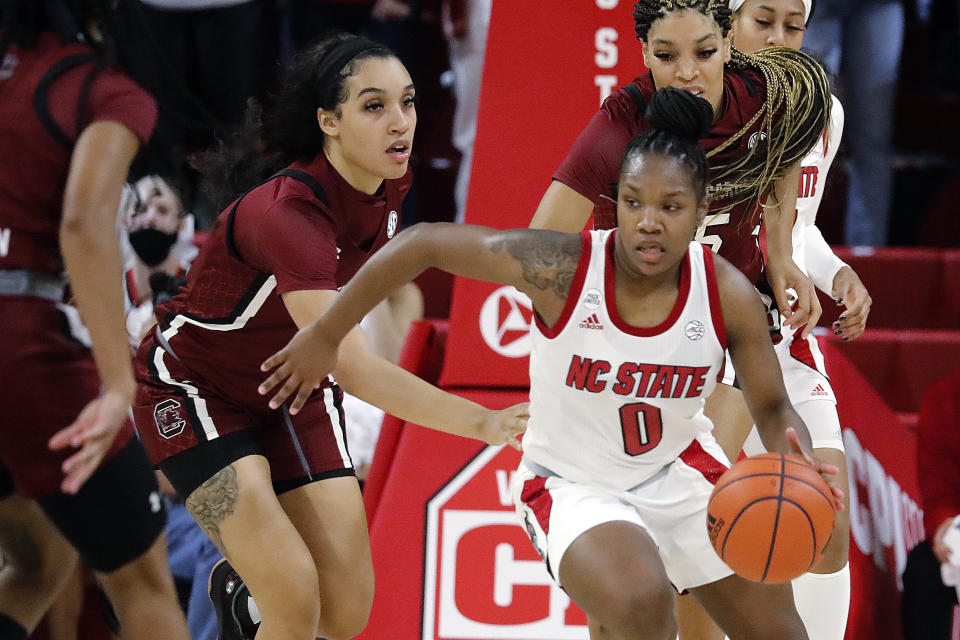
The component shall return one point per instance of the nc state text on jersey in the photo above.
(654, 380)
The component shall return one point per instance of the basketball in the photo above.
(770, 517)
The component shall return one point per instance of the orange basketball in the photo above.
(770, 517)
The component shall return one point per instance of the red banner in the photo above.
(451, 559)
(548, 67)
(885, 517)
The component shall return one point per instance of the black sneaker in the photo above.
(227, 591)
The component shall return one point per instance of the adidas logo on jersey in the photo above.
(819, 391)
(591, 322)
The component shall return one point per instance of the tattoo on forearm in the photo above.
(213, 501)
(548, 259)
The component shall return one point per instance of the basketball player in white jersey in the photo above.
(823, 595)
(631, 326)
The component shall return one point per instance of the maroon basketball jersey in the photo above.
(592, 167)
(39, 97)
(284, 235)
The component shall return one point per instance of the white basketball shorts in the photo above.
(671, 506)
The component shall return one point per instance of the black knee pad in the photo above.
(118, 513)
(191, 468)
(7, 487)
(10, 629)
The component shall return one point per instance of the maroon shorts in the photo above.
(47, 376)
(192, 431)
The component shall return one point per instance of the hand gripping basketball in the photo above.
(770, 517)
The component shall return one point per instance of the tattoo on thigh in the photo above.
(213, 501)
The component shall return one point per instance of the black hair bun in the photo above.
(680, 112)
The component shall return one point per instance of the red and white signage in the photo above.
(548, 67)
(886, 520)
(483, 579)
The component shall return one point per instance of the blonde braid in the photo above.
(794, 114)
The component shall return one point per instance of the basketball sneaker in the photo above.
(229, 595)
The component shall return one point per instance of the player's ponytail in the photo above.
(678, 119)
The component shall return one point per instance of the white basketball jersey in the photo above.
(612, 404)
(813, 180)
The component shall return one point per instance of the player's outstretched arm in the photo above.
(780, 427)
(539, 263)
(562, 209)
(778, 218)
(381, 383)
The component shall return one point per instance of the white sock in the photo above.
(253, 610)
(823, 601)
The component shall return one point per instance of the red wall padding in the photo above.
(900, 364)
(911, 288)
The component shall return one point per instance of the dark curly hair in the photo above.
(678, 119)
(285, 129)
(646, 12)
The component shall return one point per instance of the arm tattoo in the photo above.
(549, 259)
(213, 501)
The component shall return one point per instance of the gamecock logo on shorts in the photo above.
(169, 418)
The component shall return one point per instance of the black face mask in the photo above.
(152, 245)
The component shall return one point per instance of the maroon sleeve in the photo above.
(593, 163)
(113, 97)
(938, 453)
(291, 238)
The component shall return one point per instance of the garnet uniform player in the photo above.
(685, 46)
(275, 490)
(71, 125)
(305, 229)
(631, 328)
(591, 167)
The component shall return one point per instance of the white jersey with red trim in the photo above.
(612, 404)
(811, 252)
(813, 256)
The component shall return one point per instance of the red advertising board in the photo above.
(451, 558)
(548, 66)
(885, 517)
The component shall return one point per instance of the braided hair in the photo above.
(646, 12)
(795, 111)
(285, 130)
(678, 120)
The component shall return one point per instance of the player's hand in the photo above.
(300, 367)
(92, 433)
(849, 291)
(505, 425)
(827, 471)
(805, 313)
(941, 550)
